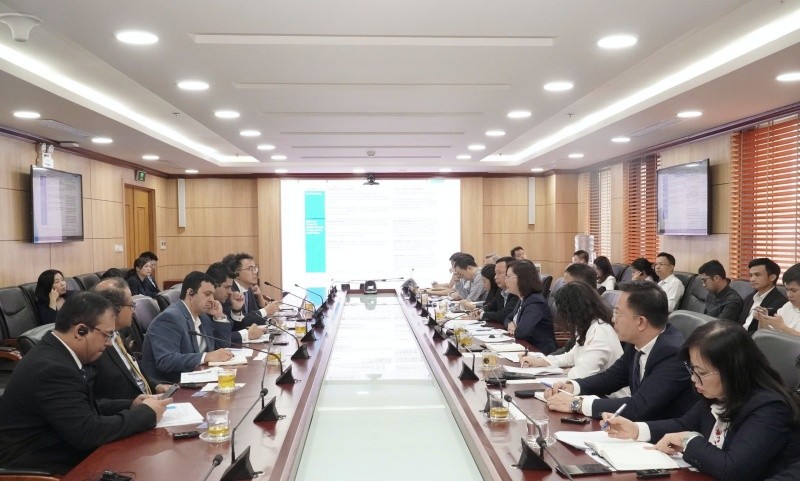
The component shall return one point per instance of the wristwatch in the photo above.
(576, 405)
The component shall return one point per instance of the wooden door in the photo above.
(139, 228)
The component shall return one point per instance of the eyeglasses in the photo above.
(253, 269)
(511, 277)
(132, 305)
(109, 337)
(693, 373)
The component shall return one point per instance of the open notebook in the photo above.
(633, 455)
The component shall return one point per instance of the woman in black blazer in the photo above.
(51, 292)
(532, 321)
(745, 428)
(139, 278)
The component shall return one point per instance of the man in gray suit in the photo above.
(170, 348)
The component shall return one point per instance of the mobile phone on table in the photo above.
(186, 435)
(170, 391)
(652, 474)
(575, 420)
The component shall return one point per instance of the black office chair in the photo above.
(742, 287)
(165, 298)
(87, 281)
(694, 296)
(17, 313)
(610, 298)
(627, 275)
(782, 352)
(30, 338)
(619, 270)
(546, 282)
(688, 321)
(146, 310)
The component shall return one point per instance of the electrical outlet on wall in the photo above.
(117, 248)
(162, 245)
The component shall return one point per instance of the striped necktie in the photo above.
(135, 372)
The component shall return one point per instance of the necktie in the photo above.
(89, 390)
(137, 374)
(637, 372)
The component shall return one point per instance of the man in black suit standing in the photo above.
(764, 274)
(659, 382)
(116, 373)
(49, 418)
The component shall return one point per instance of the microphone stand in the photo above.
(240, 468)
(309, 336)
(285, 293)
(528, 458)
(467, 373)
(214, 463)
(302, 350)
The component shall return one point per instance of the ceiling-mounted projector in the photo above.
(371, 180)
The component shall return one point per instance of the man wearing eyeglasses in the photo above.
(722, 302)
(49, 418)
(660, 386)
(116, 374)
(256, 307)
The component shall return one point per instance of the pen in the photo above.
(548, 384)
(604, 425)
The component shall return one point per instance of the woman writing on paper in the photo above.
(597, 346)
(745, 428)
(532, 320)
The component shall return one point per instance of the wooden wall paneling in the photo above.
(268, 235)
(16, 217)
(104, 257)
(22, 262)
(16, 157)
(210, 192)
(107, 221)
(506, 219)
(504, 191)
(207, 250)
(217, 221)
(472, 226)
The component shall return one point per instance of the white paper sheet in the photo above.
(178, 414)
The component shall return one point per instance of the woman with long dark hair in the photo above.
(744, 428)
(580, 309)
(51, 292)
(489, 286)
(643, 270)
(605, 274)
(532, 320)
(139, 278)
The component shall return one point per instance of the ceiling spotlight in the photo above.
(537, 170)
(576, 155)
(227, 114)
(102, 140)
(689, 114)
(266, 147)
(192, 85)
(358, 171)
(463, 157)
(617, 41)
(26, 114)
(278, 157)
(281, 171)
(249, 133)
(20, 24)
(788, 77)
(137, 37)
(519, 114)
(495, 133)
(476, 147)
(371, 180)
(150, 157)
(621, 140)
(191, 171)
(558, 86)
(445, 170)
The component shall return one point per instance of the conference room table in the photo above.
(276, 446)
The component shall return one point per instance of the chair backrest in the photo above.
(627, 275)
(694, 296)
(87, 281)
(688, 321)
(782, 289)
(165, 298)
(17, 312)
(177, 287)
(146, 310)
(611, 298)
(557, 284)
(619, 270)
(30, 338)
(782, 352)
(742, 287)
(546, 282)
(11, 474)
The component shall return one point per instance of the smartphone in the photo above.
(652, 474)
(527, 393)
(575, 420)
(170, 391)
(186, 435)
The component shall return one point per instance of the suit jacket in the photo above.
(50, 420)
(169, 349)
(249, 310)
(792, 473)
(498, 309)
(111, 378)
(45, 314)
(535, 324)
(144, 287)
(755, 444)
(665, 392)
(774, 299)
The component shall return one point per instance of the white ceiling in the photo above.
(413, 81)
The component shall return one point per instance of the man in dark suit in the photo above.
(764, 274)
(256, 306)
(223, 278)
(116, 373)
(503, 305)
(49, 418)
(660, 385)
(170, 348)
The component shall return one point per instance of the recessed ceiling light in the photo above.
(788, 77)
(621, 140)
(249, 133)
(359, 171)
(266, 147)
(444, 170)
(689, 114)
(192, 85)
(495, 133)
(26, 114)
(476, 147)
(137, 37)
(102, 140)
(463, 157)
(519, 114)
(576, 155)
(278, 157)
(537, 170)
(191, 171)
(281, 171)
(150, 157)
(227, 114)
(560, 86)
(617, 41)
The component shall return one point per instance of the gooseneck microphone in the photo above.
(302, 350)
(311, 292)
(285, 293)
(240, 467)
(214, 463)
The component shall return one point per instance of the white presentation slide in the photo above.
(345, 231)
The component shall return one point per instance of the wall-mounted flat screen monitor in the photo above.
(56, 206)
(684, 199)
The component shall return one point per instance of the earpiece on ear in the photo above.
(83, 330)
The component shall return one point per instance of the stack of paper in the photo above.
(236, 360)
(206, 375)
(493, 338)
(178, 414)
(510, 347)
(532, 372)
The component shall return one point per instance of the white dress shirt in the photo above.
(600, 350)
(610, 283)
(674, 289)
(791, 315)
(757, 300)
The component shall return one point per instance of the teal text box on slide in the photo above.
(315, 231)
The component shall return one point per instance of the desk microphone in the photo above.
(309, 337)
(302, 350)
(214, 463)
(311, 292)
(285, 293)
(240, 467)
(467, 373)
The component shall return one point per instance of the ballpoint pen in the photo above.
(604, 425)
(550, 385)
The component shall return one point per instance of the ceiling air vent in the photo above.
(655, 127)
